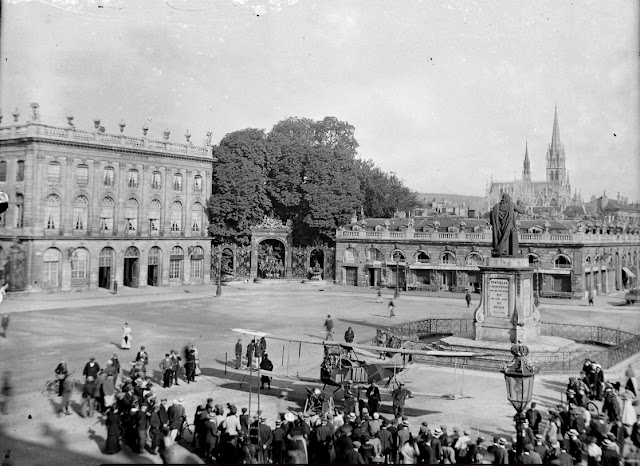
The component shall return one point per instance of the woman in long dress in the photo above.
(114, 430)
(126, 337)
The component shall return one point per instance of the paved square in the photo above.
(75, 329)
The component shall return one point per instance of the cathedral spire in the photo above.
(555, 136)
(526, 171)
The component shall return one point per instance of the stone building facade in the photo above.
(441, 254)
(90, 209)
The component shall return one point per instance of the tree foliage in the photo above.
(303, 170)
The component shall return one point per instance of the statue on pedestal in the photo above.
(504, 229)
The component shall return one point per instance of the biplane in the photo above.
(345, 363)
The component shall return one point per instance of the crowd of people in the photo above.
(596, 425)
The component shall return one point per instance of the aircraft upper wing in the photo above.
(354, 346)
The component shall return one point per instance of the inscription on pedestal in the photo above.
(526, 296)
(499, 297)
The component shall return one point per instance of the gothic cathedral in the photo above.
(552, 195)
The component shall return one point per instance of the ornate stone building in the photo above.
(439, 254)
(89, 209)
(553, 194)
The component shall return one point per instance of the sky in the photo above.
(444, 94)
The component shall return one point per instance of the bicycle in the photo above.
(51, 387)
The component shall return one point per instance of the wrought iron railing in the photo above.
(616, 345)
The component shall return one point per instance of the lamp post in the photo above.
(519, 376)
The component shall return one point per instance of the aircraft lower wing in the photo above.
(355, 346)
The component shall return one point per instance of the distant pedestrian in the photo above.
(590, 297)
(6, 392)
(175, 366)
(266, 365)
(399, 395)
(349, 335)
(126, 337)
(61, 373)
(166, 366)
(468, 299)
(238, 353)
(67, 390)
(251, 349)
(392, 309)
(328, 328)
(379, 300)
(115, 287)
(396, 293)
(5, 323)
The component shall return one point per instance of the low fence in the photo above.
(607, 346)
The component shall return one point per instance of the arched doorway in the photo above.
(154, 267)
(271, 257)
(316, 263)
(105, 267)
(131, 257)
(51, 268)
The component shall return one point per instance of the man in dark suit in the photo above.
(373, 397)
(91, 368)
(177, 415)
(500, 452)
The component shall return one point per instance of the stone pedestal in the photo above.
(507, 311)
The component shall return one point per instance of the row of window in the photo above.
(52, 215)
(19, 170)
(79, 261)
(109, 177)
(447, 257)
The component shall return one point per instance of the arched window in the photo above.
(447, 258)
(397, 256)
(176, 217)
(109, 176)
(80, 213)
(52, 212)
(350, 255)
(51, 268)
(553, 202)
(107, 207)
(423, 257)
(53, 172)
(19, 211)
(154, 216)
(534, 259)
(79, 261)
(196, 217)
(562, 261)
(474, 258)
(133, 178)
(175, 262)
(131, 215)
(196, 261)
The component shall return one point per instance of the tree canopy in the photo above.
(303, 170)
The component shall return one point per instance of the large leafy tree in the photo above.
(383, 193)
(239, 198)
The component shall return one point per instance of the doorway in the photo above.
(131, 257)
(105, 268)
(351, 276)
(374, 276)
(153, 267)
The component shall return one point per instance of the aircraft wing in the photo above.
(354, 346)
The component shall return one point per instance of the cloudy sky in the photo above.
(443, 93)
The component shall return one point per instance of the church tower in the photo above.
(526, 171)
(556, 169)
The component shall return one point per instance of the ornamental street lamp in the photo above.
(519, 377)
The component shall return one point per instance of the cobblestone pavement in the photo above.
(45, 328)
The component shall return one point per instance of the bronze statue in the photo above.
(503, 224)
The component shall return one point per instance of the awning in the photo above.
(629, 273)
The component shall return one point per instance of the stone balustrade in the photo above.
(70, 133)
(485, 237)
